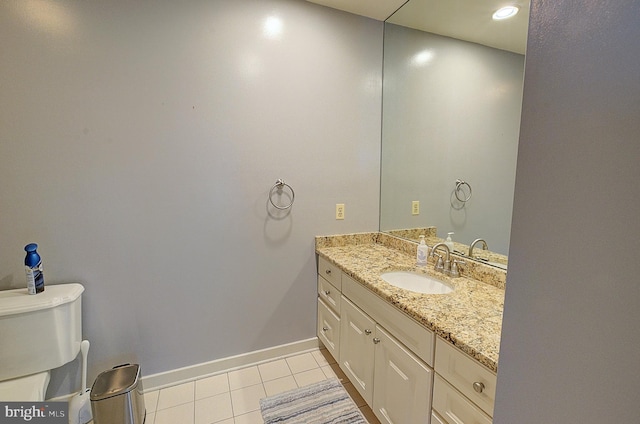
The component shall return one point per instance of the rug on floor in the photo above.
(325, 402)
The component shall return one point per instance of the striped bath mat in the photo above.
(319, 403)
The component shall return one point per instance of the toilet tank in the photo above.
(39, 332)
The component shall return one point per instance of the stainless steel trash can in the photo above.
(116, 396)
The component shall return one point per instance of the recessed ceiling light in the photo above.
(505, 12)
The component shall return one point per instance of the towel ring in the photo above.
(278, 186)
(459, 185)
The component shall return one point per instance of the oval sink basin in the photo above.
(419, 283)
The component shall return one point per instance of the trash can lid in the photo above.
(116, 381)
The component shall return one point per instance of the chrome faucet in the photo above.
(476, 241)
(440, 265)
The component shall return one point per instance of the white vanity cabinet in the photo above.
(329, 297)
(464, 391)
(404, 373)
(384, 353)
(391, 379)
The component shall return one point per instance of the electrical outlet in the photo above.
(415, 207)
(339, 210)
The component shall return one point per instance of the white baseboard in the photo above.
(193, 372)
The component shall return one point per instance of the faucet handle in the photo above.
(447, 267)
(439, 264)
(454, 267)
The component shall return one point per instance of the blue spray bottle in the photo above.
(33, 268)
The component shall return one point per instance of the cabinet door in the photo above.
(356, 348)
(329, 329)
(402, 387)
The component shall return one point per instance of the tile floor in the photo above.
(233, 397)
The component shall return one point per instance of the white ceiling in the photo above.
(468, 20)
(376, 9)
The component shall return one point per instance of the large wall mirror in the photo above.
(452, 96)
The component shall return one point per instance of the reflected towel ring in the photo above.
(278, 186)
(459, 185)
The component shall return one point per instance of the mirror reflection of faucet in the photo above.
(476, 241)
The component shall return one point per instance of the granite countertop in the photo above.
(470, 317)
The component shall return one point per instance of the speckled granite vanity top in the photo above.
(470, 317)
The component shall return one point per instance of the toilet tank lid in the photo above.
(19, 301)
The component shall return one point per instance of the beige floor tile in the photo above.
(334, 371)
(328, 372)
(300, 363)
(182, 414)
(309, 377)
(244, 377)
(273, 370)
(323, 357)
(247, 399)
(234, 397)
(175, 395)
(213, 409)
(254, 417)
(211, 386)
(280, 385)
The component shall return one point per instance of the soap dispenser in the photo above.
(423, 252)
(449, 242)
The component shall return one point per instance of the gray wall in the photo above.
(139, 141)
(570, 341)
(453, 115)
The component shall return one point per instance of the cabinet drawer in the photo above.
(330, 272)
(453, 407)
(329, 329)
(417, 338)
(329, 294)
(463, 372)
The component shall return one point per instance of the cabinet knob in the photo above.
(367, 332)
(478, 386)
(325, 329)
(327, 271)
(376, 340)
(327, 292)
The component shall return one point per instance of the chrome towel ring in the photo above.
(277, 188)
(460, 192)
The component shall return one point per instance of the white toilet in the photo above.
(37, 334)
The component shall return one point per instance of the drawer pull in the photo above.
(327, 292)
(325, 329)
(367, 332)
(327, 271)
(478, 386)
(376, 340)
